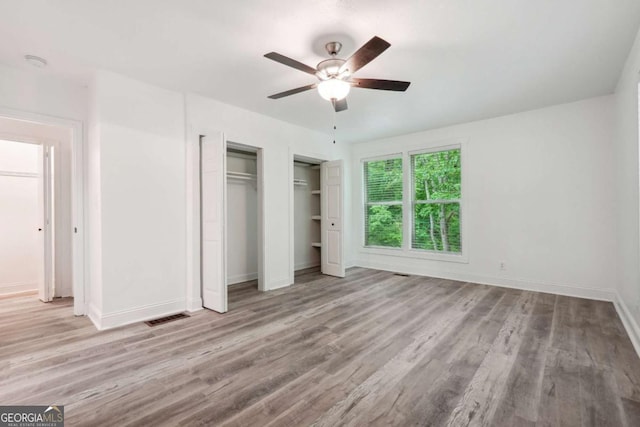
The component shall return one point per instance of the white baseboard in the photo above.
(239, 278)
(278, 284)
(134, 315)
(32, 293)
(305, 265)
(194, 304)
(526, 285)
(629, 322)
(95, 316)
(15, 288)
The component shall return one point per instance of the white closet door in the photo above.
(213, 187)
(332, 182)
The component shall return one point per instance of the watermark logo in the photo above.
(32, 416)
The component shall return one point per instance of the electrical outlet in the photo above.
(503, 265)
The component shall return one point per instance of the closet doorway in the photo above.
(231, 220)
(243, 201)
(317, 218)
(306, 217)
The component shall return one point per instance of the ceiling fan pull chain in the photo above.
(334, 126)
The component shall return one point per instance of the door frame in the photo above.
(311, 156)
(78, 242)
(46, 263)
(193, 204)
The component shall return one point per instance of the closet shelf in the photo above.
(316, 245)
(315, 192)
(297, 181)
(241, 175)
(316, 217)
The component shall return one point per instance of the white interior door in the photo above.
(332, 182)
(45, 223)
(212, 199)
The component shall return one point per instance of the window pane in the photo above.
(383, 225)
(436, 227)
(436, 176)
(383, 180)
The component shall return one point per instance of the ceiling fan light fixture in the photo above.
(334, 89)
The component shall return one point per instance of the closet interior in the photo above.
(242, 217)
(307, 219)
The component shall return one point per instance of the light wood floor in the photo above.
(371, 349)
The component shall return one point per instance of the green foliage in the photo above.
(428, 226)
(384, 225)
(384, 180)
(436, 177)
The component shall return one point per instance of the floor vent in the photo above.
(401, 274)
(166, 319)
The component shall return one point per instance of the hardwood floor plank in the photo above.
(520, 400)
(631, 410)
(349, 349)
(471, 341)
(599, 403)
(363, 397)
(480, 399)
(373, 348)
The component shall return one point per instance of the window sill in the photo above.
(416, 253)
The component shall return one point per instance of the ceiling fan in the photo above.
(335, 74)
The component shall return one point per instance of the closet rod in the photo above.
(241, 175)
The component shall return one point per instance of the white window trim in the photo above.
(406, 251)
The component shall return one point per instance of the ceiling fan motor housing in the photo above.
(333, 48)
(330, 68)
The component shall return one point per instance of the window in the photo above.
(436, 183)
(413, 204)
(383, 202)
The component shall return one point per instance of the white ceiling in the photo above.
(466, 59)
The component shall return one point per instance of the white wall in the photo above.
(19, 219)
(627, 192)
(306, 230)
(242, 222)
(36, 92)
(138, 209)
(539, 194)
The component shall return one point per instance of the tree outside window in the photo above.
(436, 184)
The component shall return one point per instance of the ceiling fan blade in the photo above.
(290, 62)
(292, 91)
(365, 54)
(394, 85)
(339, 105)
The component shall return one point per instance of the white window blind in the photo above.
(383, 202)
(436, 183)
